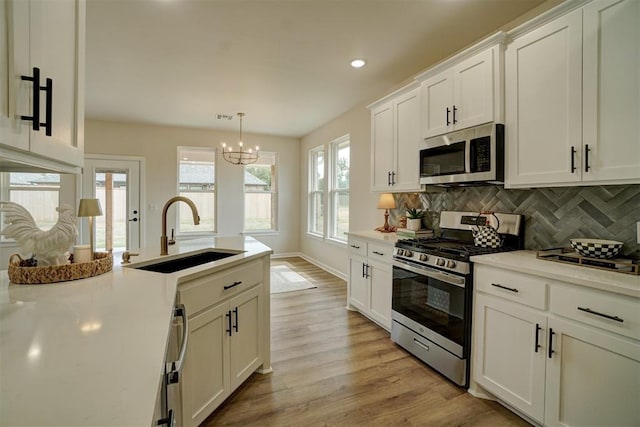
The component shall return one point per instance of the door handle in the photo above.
(551, 334)
(586, 157)
(133, 220)
(448, 112)
(48, 90)
(228, 316)
(573, 159)
(393, 178)
(537, 344)
(388, 179)
(235, 311)
(454, 115)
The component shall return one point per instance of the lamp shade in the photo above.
(386, 201)
(89, 207)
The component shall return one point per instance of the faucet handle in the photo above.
(126, 255)
(172, 240)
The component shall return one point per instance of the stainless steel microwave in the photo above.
(467, 157)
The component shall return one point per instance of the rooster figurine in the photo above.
(48, 247)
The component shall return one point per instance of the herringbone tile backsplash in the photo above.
(552, 215)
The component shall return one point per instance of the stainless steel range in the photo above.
(433, 290)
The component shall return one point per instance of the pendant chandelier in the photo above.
(239, 156)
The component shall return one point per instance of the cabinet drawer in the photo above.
(522, 288)
(357, 247)
(377, 252)
(203, 292)
(615, 313)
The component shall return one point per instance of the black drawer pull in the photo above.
(355, 246)
(537, 346)
(378, 253)
(551, 334)
(233, 285)
(573, 159)
(586, 158)
(228, 316)
(505, 287)
(607, 316)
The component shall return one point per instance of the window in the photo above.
(335, 189)
(339, 189)
(316, 191)
(39, 193)
(260, 194)
(196, 180)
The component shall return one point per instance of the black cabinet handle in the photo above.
(35, 118)
(363, 264)
(448, 121)
(607, 316)
(169, 421)
(235, 311)
(366, 270)
(504, 287)
(537, 345)
(378, 253)
(233, 285)
(228, 315)
(48, 90)
(454, 115)
(573, 159)
(551, 334)
(388, 178)
(355, 246)
(586, 157)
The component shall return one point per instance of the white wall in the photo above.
(158, 145)
(363, 214)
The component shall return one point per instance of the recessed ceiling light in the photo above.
(358, 63)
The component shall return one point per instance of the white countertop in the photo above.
(526, 262)
(91, 351)
(375, 236)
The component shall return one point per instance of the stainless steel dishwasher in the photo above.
(168, 405)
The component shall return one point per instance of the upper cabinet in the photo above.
(42, 70)
(460, 96)
(395, 141)
(573, 99)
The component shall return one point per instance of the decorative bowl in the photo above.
(596, 248)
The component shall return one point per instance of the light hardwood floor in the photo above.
(335, 367)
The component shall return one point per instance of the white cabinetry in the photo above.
(572, 97)
(47, 36)
(459, 97)
(395, 139)
(370, 279)
(571, 359)
(228, 326)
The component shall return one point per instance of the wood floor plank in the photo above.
(335, 367)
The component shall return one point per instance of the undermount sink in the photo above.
(186, 261)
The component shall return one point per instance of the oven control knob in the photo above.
(423, 257)
(399, 252)
(408, 253)
(440, 262)
(451, 264)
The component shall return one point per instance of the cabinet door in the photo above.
(506, 362)
(543, 72)
(407, 141)
(612, 90)
(56, 46)
(381, 282)
(593, 378)
(437, 103)
(245, 345)
(382, 147)
(473, 91)
(205, 382)
(358, 283)
(15, 94)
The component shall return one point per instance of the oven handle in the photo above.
(432, 272)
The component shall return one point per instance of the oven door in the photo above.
(432, 303)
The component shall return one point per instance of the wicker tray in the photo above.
(21, 273)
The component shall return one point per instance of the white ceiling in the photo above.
(283, 63)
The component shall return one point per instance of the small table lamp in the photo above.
(90, 208)
(386, 202)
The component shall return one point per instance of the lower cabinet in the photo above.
(370, 280)
(554, 367)
(226, 342)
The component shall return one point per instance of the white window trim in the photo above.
(311, 182)
(274, 199)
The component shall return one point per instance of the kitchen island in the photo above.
(91, 351)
